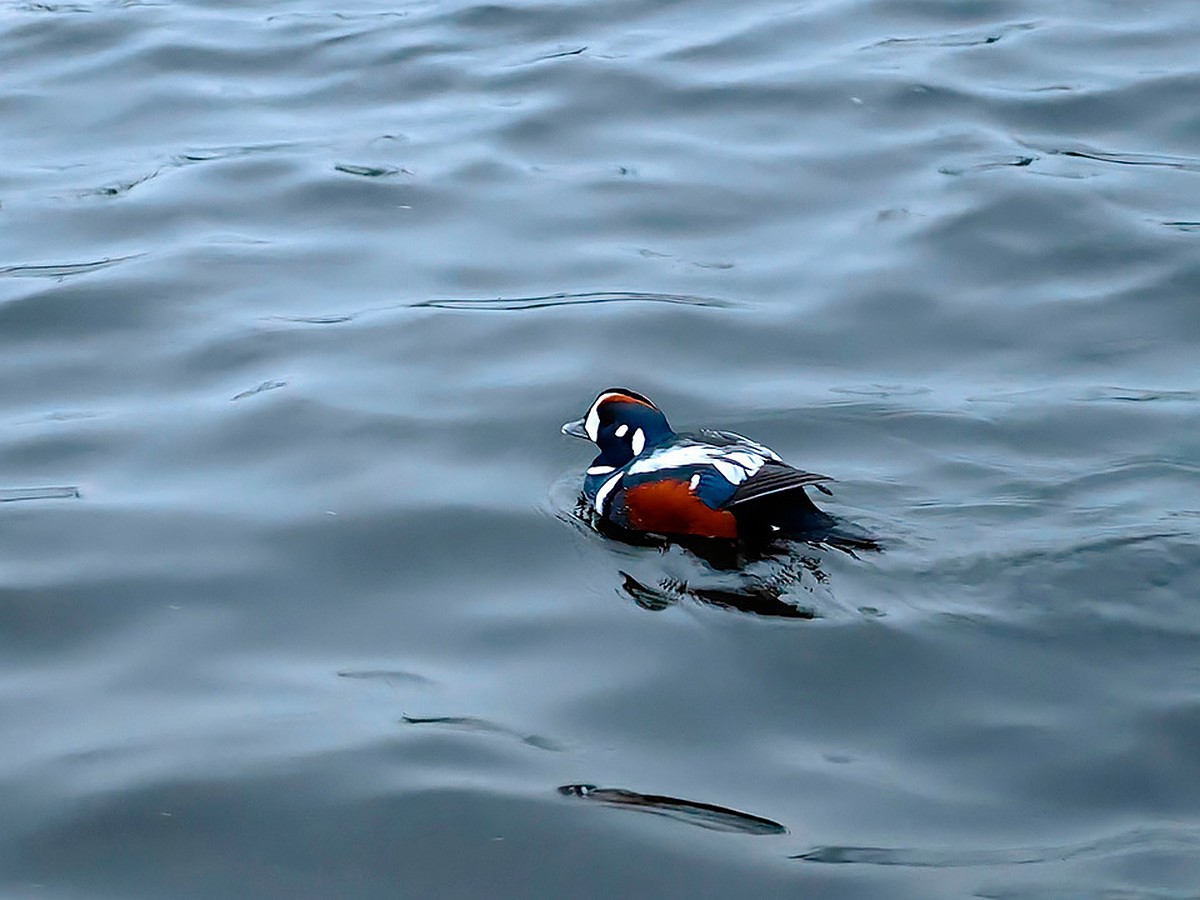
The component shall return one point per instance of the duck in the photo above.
(652, 484)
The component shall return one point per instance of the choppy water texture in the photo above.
(293, 299)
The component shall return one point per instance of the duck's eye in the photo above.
(621, 430)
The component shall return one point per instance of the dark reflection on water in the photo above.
(757, 599)
(293, 300)
(763, 579)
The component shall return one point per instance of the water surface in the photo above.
(293, 300)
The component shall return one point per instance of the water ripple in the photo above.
(124, 185)
(1136, 395)
(385, 675)
(577, 299)
(262, 388)
(476, 724)
(1018, 162)
(560, 54)
(1153, 160)
(975, 38)
(63, 270)
(11, 495)
(369, 171)
(1139, 840)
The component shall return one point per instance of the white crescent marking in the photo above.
(605, 490)
(591, 422)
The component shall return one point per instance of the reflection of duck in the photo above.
(714, 491)
(758, 597)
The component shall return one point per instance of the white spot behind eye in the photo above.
(621, 429)
(638, 442)
(695, 482)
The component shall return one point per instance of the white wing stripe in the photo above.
(731, 471)
(734, 465)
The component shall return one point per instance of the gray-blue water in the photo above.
(293, 299)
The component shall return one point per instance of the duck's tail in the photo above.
(844, 536)
(797, 518)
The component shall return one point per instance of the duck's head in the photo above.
(622, 423)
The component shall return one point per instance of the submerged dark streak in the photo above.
(705, 815)
(12, 495)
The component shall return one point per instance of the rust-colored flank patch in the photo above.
(670, 507)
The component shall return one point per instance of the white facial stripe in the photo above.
(637, 442)
(605, 490)
(621, 429)
(591, 422)
(599, 470)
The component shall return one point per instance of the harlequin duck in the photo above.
(651, 482)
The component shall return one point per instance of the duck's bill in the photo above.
(576, 429)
